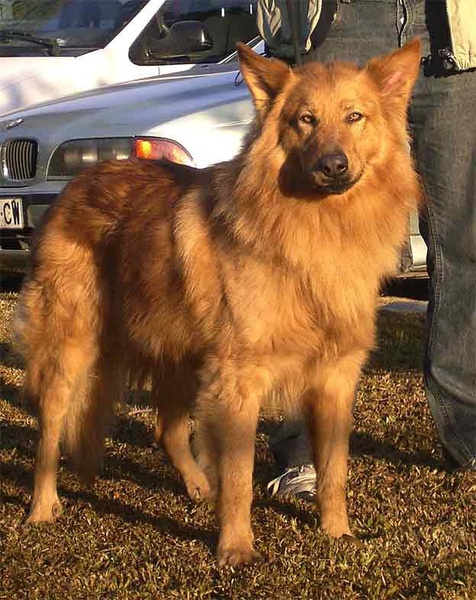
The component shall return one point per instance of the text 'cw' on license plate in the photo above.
(11, 213)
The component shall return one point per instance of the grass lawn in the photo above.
(135, 534)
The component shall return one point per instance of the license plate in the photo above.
(11, 213)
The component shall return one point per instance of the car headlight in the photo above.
(73, 156)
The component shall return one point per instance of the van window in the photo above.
(26, 26)
(195, 31)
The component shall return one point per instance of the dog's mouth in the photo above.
(334, 187)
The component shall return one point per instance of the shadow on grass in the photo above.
(147, 477)
(10, 357)
(131, 514)
(399, 346)
(12, 394)
(22, 477)
(126, 430)
(362, 444)
(21, 438)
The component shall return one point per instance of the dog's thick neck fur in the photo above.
(259, 224)
(271, 226)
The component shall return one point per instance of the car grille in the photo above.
(19, 159)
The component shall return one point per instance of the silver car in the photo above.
(198, 119)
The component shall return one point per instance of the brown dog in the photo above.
(260, 276)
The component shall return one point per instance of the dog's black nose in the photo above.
(333, 165)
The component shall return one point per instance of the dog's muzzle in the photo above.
(330, 173)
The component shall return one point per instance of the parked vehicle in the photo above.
(194, 118)
(53, 49)
(197, 119)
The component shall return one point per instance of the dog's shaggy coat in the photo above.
(253, 279)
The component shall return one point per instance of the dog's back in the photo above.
(74, 255)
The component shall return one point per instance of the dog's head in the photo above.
(331, 123)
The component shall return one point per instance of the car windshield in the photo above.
(68, 23)
(49, 26)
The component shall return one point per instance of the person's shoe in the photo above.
(296, 481)
(453, 465)
(470, 465)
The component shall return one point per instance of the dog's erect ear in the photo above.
(397, 72)
(265, 77)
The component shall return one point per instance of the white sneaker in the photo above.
(296, 481)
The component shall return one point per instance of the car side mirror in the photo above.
(183, 37)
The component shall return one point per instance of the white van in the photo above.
(53, 48)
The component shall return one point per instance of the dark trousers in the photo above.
(443, 125)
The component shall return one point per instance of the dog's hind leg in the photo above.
(87, 421)
(329, 411)
(62, 378)
(56, 329)
(173, 395)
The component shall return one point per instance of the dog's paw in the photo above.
(232, 556)
(42, 512)
(336, 525)
(199, 489)
(341, 532)
(338, 532)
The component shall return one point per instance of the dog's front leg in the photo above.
(227, 413)
(329, 410)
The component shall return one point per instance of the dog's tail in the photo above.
(58, 327)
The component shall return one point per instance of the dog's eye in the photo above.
(307, 118)
(354, 117)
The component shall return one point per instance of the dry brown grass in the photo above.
(136, 535)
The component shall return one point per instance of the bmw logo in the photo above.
(15, 123)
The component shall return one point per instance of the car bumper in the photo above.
(14, 261)
(15, 243)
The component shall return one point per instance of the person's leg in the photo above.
(445, 121)
(289, 444)
(291, 451)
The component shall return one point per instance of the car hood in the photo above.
(28, 80)
(139, 92)
(172, 95)
(178, 107)
(14, 70)
(18, 68)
